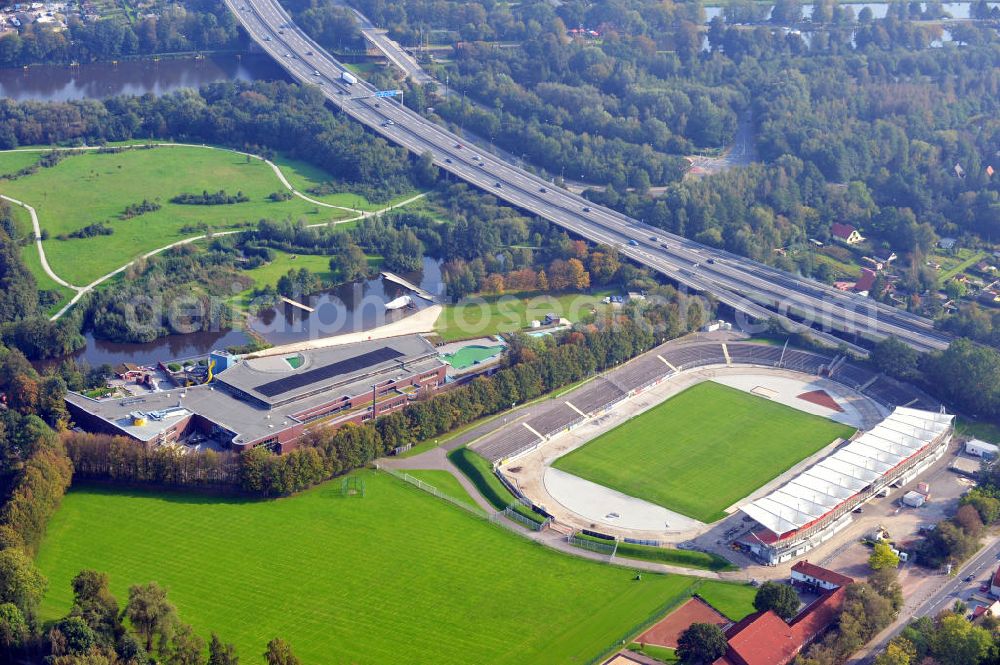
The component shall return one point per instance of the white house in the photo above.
(811, 575)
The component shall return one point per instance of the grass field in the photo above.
(15, 161)
(702, 450)
(90, 187)
(735, 601)
(445, 483)
(396, 577)
(489, 315)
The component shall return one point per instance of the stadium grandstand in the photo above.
(813, 506)
(675, 356)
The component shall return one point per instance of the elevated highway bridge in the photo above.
(752, 289)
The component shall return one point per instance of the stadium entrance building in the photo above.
(275, 399)
(817, 503)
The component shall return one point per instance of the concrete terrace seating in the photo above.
(506, 441)
(597, 394)
(638, 373)
(892, 393)
(804, 361)
(694, 355)
(754, 354)
(852, 375)
(552, 420)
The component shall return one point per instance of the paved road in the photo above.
(753, 289)
(948, 590)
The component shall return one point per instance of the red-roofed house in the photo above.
(764, 638)
(812, 575)
(995, 584)
(866, 281)
(846, 234)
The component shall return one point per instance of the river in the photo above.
(342, 309)
(346, 308)
(99, 80)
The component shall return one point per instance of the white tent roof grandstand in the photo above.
(831, 481)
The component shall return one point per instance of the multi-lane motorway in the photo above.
(751, 288)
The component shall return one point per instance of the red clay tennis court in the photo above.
(667, 630)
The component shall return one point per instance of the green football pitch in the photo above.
(702, 450)
(395, 577)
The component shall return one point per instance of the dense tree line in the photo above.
(192, 26)
(864, 123)
(88, 231)
(180, 291)
(260, 117)
(946, 639)
(207, 198)
(333, 26)
(966, 375)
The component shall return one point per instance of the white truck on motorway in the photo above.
(348, 78)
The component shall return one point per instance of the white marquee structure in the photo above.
(811, 507)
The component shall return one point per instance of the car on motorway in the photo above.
(377, 105)
(315, 72)
(309, 52)
(498, 185)
(653, 238)
(586, 208)
(388, 123)
(711, 261)
(267, 38)
(476, 158)
(633, 243)
(543, 190)
(984, 588)
(447, 160)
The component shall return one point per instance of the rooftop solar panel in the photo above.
(381, 355)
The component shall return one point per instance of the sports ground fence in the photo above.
(494, 518)
(638, 628)
(430, 489)
(608, 549)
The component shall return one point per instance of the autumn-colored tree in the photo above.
(23, 394)
(494, 283)
(579, 277)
